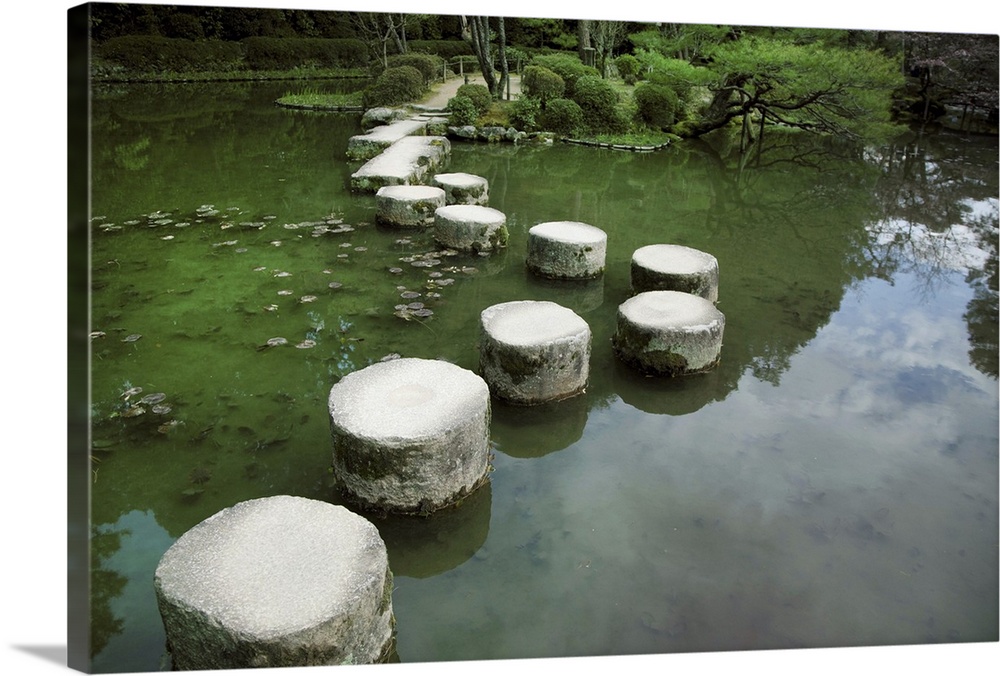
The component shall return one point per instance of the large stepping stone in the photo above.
(470, 227)
(533, 351)
(672, 267)
(408, 206)
(408, 161)
(669, 333)
(410, 435)
(462, 188)
(281, 581)
(566, 250)
(367, 146)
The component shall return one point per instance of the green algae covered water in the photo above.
(832, 482)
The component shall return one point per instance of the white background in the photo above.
(34, 340)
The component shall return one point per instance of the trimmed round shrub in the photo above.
(479, 95)
(568, 67)
(542, 83)
(599, 102)
(429, 65)
(657, 104)
(562, 116)
(462, 111)
(525, 112)
(628, 68)
(393, 87)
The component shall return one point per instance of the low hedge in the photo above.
(285, 53)
(154, 54)
(147, 54)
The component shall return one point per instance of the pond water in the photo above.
(832, 482)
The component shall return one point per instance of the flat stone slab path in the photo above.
(368, 145)
(406, 162)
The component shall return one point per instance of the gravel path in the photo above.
(442, 92)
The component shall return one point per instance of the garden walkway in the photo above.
(442, 92)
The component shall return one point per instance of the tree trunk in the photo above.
(479, 28)
(583, 38)
(502, 56)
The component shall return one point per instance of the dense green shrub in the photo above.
(628, 67)
(562, 116)
(151, 54)
(479, 95)
(525, 113)
(462, 111)
(179, 25)
(429, 65)
(567, 66)
(394, 86)
(542, 83)
(599, 102)
(657, 104)
(446, 49)
(285, 53)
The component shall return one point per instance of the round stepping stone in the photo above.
(408, 206)
(410, 435)
(533, 351)
(566, 250)
(669, 333)
(470, 227)
(276, 582)
(672, 267)
(463, 188)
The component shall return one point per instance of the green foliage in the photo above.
(657, 104)
(628, 67)
(446, 49)
(567, 66)
(149, 54)
(394, 86)
(542, 83)
(310, 98)
(562, 116)
(266, 53)
(182, 25)
(599, 102)
(429, 65)
(536, 33)
(462, 111)
(478, 94)
(822, 89)
(525, 112)
(688, 42)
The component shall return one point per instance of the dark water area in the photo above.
(833, 482)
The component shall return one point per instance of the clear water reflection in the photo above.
(833, 482)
